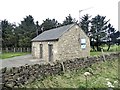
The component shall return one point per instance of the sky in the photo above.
(15, 10)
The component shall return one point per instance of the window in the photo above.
(41, 51)
(83, 44)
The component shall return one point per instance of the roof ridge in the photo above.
(58, 27)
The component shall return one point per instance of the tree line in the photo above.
(21, 35)
(98, 29)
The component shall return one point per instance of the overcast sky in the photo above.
(16, 10)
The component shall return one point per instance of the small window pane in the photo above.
(83, 44)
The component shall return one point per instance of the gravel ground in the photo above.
(19, 61)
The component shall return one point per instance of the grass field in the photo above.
(113, 48)
(101, 74)
(95, 53)
(12, 54)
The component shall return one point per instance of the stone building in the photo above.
(62, 43)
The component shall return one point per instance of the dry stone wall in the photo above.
(16, 76)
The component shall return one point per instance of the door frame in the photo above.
(41, 51)
(50, 52)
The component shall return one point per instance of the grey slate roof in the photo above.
(52, 34)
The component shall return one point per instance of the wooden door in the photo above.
(50, 52)
(41, 50)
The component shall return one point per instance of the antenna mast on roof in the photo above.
(81, 11)
(37, 26)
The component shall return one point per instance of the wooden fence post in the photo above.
(14, 50)
(63, 68)
(23, 49)
(6, 50)
(27, 49)
(20, 49)
(17, 49)
(103, 54)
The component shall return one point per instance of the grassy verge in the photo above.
(113, 48)
(101, 74)
(12, 54)
(95, 53)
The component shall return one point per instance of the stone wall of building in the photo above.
(69, 44)
(36, 50)
(67, 47)
(17, 76)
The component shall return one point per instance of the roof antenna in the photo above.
(80, 13)
(37, 28)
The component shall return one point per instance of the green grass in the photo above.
(72, 79)
(95, 53)
(113, 48)
(12, 54)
